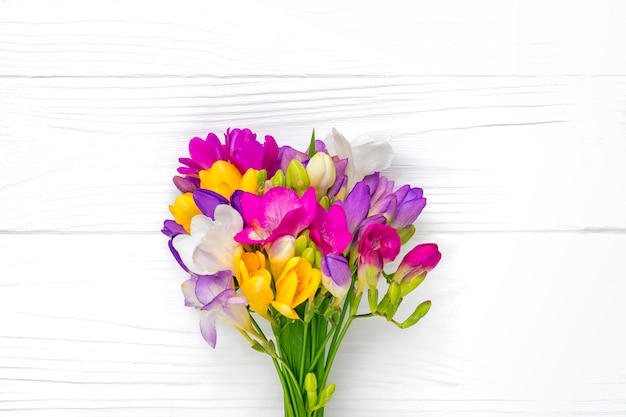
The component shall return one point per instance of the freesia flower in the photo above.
(322, 173)
(203, 154)
(365, 155)
(415, 265)
(254, 280)
(215, 296)
(279, 252)
(336, 275)
(410, 203)
(379, 244)
(224, 178)
(184, 209)
(207, 201)
(329, 230)
(298, 282)
(246, 152)
(278, 212)
(210, 246)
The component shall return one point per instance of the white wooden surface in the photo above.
(511, 116)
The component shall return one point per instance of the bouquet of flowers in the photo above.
(295, 239)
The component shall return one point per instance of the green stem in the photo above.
(305, 348)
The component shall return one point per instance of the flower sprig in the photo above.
(295, 238)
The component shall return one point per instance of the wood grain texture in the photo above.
(94, 324)
(148, 38)
(511, 115)
(483, 148)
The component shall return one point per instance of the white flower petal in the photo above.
(186, 245)
(371, 157)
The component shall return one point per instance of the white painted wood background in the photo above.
(511, 116)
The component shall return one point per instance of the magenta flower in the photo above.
(416, 264)
(245, 152)
(378, 245)
(278, 212)
(215, 296)
(203, 153)
(329, 230)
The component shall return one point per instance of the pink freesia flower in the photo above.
(278, 212)
(329, 230)
(379, 244)
(203, 153)
(246, 152)
(416, 264)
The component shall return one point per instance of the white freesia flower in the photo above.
(210, 247)
(365, 154)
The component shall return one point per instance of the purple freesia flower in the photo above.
(186, 184)
(336, 275)
(278, 212)
(172, 229)
(215, 296)
(410, 203)
(357, 205)
(246, 152)
(207, 201)
(329, 230)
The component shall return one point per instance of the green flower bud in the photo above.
(326, 395)
(302, 242)
(278, 180)
(260, 178)
(325, 202)
(297, 178)
(419, 312)
(310, 382)
(309, 255)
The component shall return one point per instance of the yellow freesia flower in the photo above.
(224, 178)
(298, 282)
(254, 280)
(184, 209)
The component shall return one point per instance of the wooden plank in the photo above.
(492, 153)
(144, 38)
(522, 323)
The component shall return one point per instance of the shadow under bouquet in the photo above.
(295, 238)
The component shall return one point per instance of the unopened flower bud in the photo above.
(419, 312)
(297, 178)
(279, 252)
(322, 173)
(278, 180)
(302, 242)
(309, 255)
(326, 395)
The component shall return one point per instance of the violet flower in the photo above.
(336, 275)
(215, 296)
